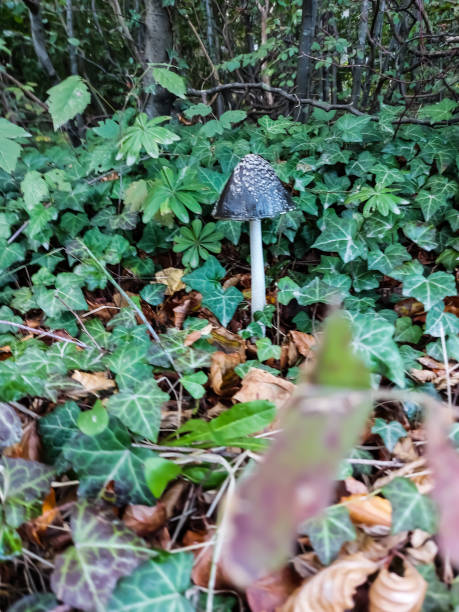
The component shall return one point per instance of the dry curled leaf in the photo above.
(374, 510)
(423, 554)
(270, 592)
(197, 333)
(228, 342)
(222, 377)
(144, 520)
(172, 278)
(304, 343)
(92, 383)
(262, 385)
(401, 593)
(333, 588)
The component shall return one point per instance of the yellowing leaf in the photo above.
(93, 383)
(172, 278)
(402, 593)
(332, 589)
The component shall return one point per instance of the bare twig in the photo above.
(42, 332)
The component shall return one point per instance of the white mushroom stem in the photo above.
(257, 265)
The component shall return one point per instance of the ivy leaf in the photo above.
(37, 602)
(267, 350)
(67, 99)
(328, 532)
(153, 294)
(193, 383)
(171, 81)
(438, 596)
(405, 331)
(68, 289)
(57, 427)
(139, 409)
(231, 230)
(158, 473)
(350, 127)
(441, 111)
(10, 426)
(156, 586)
(430, 290)
(9, 149)
(340, 234)
(410, 508)
(389, 431)
(316, 291)
(198, 110)
(372, 339)
(223, 303)
(106, 458)
(10, 254)
(393, 257)
(437, 319)
(430, 202)
(425, 236)
(104, 550)
(23, 485)
(34, 188)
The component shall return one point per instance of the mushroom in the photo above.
(253, 192)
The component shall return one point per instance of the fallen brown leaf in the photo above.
(423, 554)
(393, 592)
(228, 342)
(222, 377)
(92, 383)
(180, 312)
(29, 447)
(409, 307)
(304, 343)
(145, 520)
(172, 278)
(333, 588)
(261, 385)
(203, 560)
(374, 510)
(198, 333)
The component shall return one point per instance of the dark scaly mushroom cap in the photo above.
(253, 191)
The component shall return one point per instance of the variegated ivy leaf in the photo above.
(394, 255)
(139, 409)
(329, 531)
(430, 202)
(23, 485)
(410, 508)
(104, 550)
(340, 234)
(425, 236)
(372, 339)
(37, 602)
(56, 428)
(158, 585)
(316, 291)
(10, 426)
(437, 320)
(109, 459)
(222, 302)
(430, 290)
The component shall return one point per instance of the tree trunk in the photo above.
(158, 39)
(72, 49)
(39, 38)
(360, 55)
(213, 47)
(264, 12)
(308, 26)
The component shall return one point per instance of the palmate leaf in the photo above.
(23, 485)
(328, 532)
(410, 508)
(430, 290)
(155, 586)
(104, 550)
(340, 234)
(139, 409)
(109, 458)
(10, 426)
(144, 134)
(65, 100)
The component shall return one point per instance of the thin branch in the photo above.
(24, 89)
(315, 103)
(42, 332)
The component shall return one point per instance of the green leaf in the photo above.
(223, 303)
(109, 458)
(68, 289)
(389, 431)
(193, 383)
(10, 130)
(144, 134)
(23, 485)
(350, 127)
(93, 422)
(430, 203)
(104, 550)
(10, 426)
(393, 257)
(9, 149)
(372, 339)
(206, 277)
(230, 428)
(430, 290)
(10, 254)
(328, 532)
(425, 236)
(437, 319)
(405, 331)
(153, 294)
(171, 81)
(410, 508)
(65, 100)
(267, 350)
(340, 234)
(156, 586)
(197, 110)
(57, 428)
(37, 602)
(438, 597)
(34, 188)
(139, 409)
(158, 473)
(441, 111)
